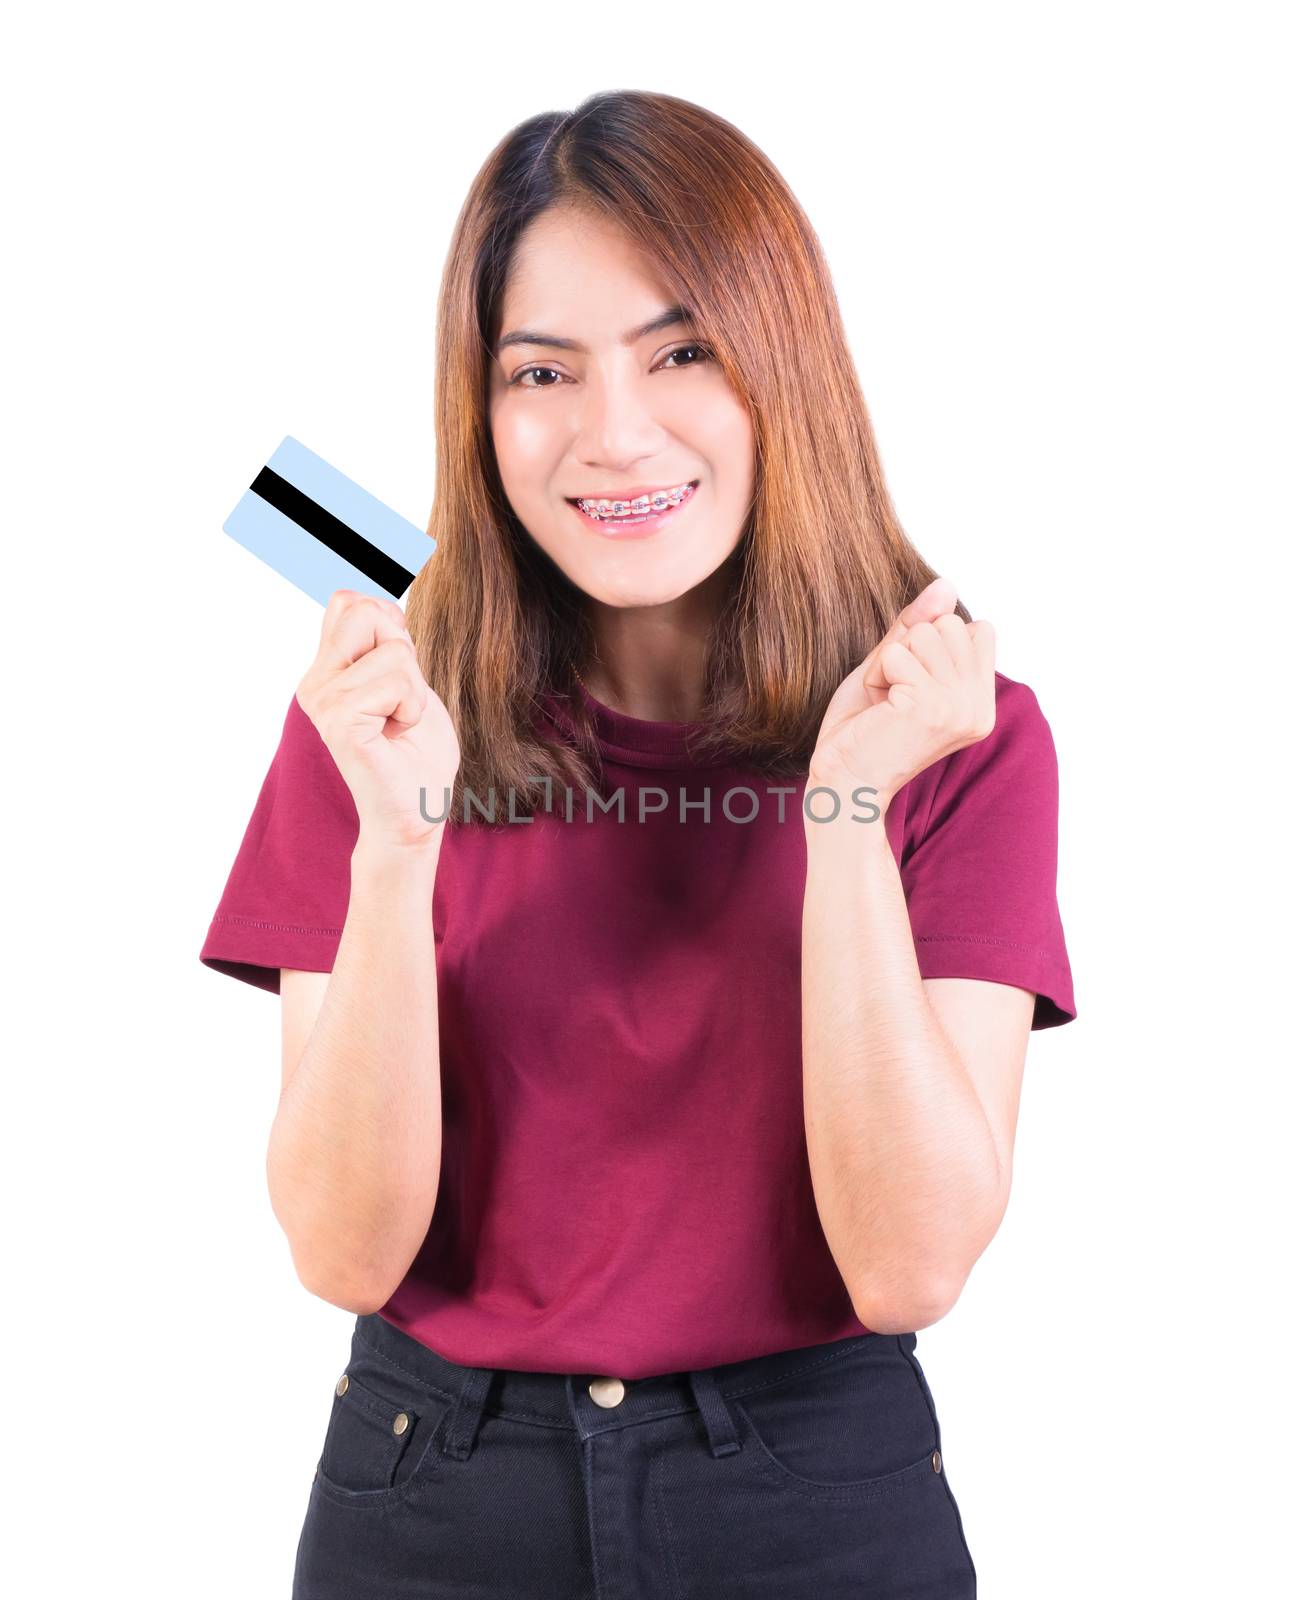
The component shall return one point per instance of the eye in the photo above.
(705, 354)
(515, 382)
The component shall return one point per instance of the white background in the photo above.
(1058, 239)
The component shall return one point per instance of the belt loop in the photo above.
(718, 1421)
(464, 1413)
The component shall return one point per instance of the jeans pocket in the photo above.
(851, 1427)
(382, 1434)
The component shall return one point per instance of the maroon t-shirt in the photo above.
(624, 1181)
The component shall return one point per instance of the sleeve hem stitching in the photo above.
(277, 927)
(973, 938)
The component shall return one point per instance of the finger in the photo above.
(398, 654)
(894, 664)
(953, 631)
(385, 683)
(926, 644)
(982, 637)
(932, 601)
(355, 626)
(868, 681)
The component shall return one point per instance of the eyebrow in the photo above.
(666, 319)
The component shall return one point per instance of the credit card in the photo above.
(322, 532)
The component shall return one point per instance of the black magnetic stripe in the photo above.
(338, 536)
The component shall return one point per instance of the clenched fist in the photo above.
(926, 689)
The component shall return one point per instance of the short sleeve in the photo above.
(285, 901)
(980, 861)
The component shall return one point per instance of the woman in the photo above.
(659, 922)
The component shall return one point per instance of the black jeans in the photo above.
(809, 1473)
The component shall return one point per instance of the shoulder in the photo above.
(1019, 718)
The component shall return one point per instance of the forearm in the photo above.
(908, 1184)
(354, 1152)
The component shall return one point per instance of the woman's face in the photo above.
(604, 419)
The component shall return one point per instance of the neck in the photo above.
(649, 661)
(675, 697)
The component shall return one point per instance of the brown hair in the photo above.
(823, 565)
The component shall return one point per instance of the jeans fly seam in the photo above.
(661, 1507)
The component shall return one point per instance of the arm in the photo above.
(354, 1151)
(911, 1089)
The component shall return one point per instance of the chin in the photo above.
(638, 594)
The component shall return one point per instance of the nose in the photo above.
(616, 425)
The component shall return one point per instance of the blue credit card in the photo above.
(322, 532)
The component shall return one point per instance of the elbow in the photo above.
(323, 1270)
(365, 1305)
(339, 1289)
(906, 1308)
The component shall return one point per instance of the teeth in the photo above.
(631, 508)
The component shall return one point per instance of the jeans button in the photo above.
(937, 1461)
(343, 1383)
(607, 1391)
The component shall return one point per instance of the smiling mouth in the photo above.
(640, 507)
(661, 511)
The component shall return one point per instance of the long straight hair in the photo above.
(822, 567)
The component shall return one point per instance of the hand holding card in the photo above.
(389, 733)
